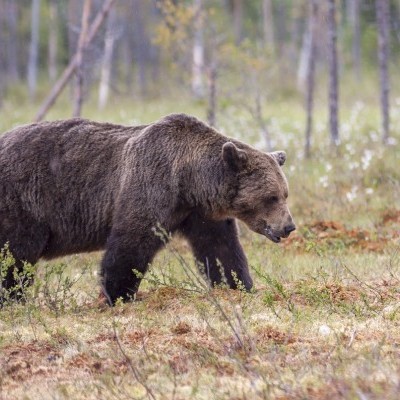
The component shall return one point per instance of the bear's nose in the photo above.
(289, 228)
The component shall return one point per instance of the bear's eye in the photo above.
(272, 200)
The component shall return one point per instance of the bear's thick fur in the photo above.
(77, 185)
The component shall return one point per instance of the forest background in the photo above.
(253, 53)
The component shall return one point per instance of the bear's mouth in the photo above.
(271, 236)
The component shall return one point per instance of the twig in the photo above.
(135, 372)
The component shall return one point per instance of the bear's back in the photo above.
(64, 173)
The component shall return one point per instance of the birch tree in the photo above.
(238, 20)
(53, 39)
(105, 75)
(11, 42)
(141, 43)
(82, 42)
(356, 44)
(212, 94)
(382, 17)
(33, 49)
(333, 74)
(268, 24)
(198, 51)
(304, 58)
(311, 75)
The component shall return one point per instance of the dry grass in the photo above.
(323, 322)
(334, 333)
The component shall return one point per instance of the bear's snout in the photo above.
(289, 229)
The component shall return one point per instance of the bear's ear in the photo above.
(233, 156)
(280, 157)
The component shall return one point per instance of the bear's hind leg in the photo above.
(216, 246)
(26, 242)
(124, 263)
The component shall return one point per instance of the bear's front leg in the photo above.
(124, 263)
(216, 247)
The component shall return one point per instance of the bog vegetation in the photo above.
(324, 318)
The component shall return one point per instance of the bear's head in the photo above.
(262, 190)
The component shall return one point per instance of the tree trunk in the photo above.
(74, 11)
(198, 51)
(141, 45)
(127, 61)
(79, 55)
(34, 49)
(282, 27)
(382, 16)
(11, 42)
(106, 67)
(396, 21)
(155, 59)
(356, 45)
(127, 48)
(268, 24)
(238, 20)
(53, 39)
(305, 57)
(311, 75)
(333, 74)
(297, 17)
(266, 135)
(212, 94)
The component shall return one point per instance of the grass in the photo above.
(317, 326)
(323, 322)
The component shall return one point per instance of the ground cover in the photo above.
(323, 321)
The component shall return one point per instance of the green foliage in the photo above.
(22, 277)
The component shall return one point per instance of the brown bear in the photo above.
(77, 185)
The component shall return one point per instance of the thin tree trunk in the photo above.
(311, 75)
(282, 27)
(74, 11)
(127, 61)
(11, 40)
(105, 76)
(128, 48)
(382, 14)
(212, 94)
(141, 45)
(266, 135)
(74, 19)
(34, 49)
(198, 51)
(298, 15)
(304, 59)
(333, 74)
(396, 21)
(238, 20)
(154, 55)
(68, 72)
(268, 24)
(356, 45)
(79, 64)
(53, 36)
